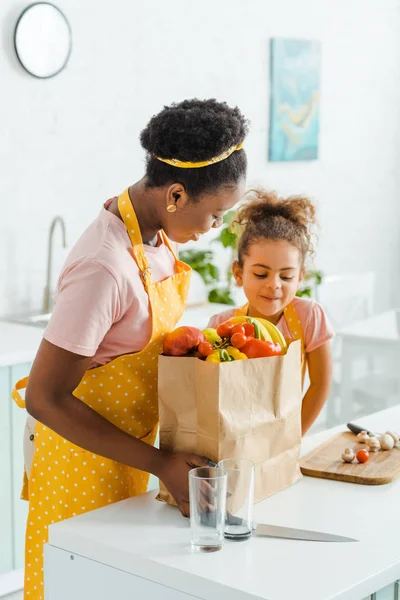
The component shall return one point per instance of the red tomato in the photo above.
(248, 329)
(205, 348)
(224, 329)
(362, 455)
(238, 340)
(237, 329)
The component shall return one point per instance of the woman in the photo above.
(93, 384)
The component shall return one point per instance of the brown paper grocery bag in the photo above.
(243, 409)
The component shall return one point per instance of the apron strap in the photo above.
(242, 311)
(167, 242)
(128, 215)
(16, 396)
(294, 324)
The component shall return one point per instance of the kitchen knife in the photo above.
(262, 529)
(276, 531)
(357, 429)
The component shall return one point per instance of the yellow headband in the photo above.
(174, 162)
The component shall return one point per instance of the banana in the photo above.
(274, 332)
(260, 331)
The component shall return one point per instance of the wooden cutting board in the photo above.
(326, 462)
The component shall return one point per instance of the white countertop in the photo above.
(199, 316)
(18, 343)
(151, 540)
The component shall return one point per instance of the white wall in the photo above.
(68, 143)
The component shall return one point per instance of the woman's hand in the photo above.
(174, 473)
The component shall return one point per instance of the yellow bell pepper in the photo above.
(235, 353)
(215, 357)
(211, 335)
(220, 356)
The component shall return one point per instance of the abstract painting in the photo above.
(294, 110)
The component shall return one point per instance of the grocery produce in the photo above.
(393, 435)
(275, 333)
(386, 441)
(226, 355)
(362, 456)
(182, 340)
(363, 437)
(260, 332)
(257, 348)
(373, 444)
(348, 455)
(239, 338)
(205, 348)
(211, 335)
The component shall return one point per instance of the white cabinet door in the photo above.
(69, 576)
(6, 545)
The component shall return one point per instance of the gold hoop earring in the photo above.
(171, 208)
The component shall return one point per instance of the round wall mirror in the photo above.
(42, 40)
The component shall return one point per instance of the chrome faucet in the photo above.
(48, 300)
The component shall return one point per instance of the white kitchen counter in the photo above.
(18, 343)
(199, 316)
(140, 542)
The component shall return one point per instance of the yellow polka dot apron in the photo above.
(294, 325)
(66, 480)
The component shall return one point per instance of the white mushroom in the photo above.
(363, 437)
(348, 455)
(387, 442)
(394, 435)
(373, 443)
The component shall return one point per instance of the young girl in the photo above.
(274, 244)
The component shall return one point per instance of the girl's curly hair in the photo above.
(267, 216)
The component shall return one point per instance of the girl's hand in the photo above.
(174, 473)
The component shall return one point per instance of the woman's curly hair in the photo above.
(266, 216)
(193, 131)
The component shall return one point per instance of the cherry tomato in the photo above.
(205, 348)
(362, 455)
(224, 329)
(238, 340)
(237, 329)
(248, 329)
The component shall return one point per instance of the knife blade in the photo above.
(276, 531)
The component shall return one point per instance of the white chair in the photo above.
(346, 299)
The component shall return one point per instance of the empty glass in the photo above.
(240, 497)
(207, 491)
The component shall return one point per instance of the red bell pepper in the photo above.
(258, 348)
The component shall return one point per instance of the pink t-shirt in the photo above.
(101, 307)
(316, 329)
